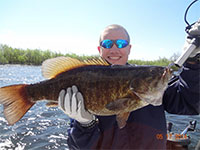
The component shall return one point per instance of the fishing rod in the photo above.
(193, 31)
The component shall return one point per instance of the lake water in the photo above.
(46, 128)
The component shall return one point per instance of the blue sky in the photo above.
(156, 27)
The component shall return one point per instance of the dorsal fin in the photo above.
(53, 67)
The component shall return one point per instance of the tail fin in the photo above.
(15, 101)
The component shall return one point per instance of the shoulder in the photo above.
(131, 65)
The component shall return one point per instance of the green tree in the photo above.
(9, 55)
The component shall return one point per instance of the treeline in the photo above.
(9, 55)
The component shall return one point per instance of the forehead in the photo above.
(114, 33)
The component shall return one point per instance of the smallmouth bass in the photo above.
(106, 89)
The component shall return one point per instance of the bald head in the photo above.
(114, 28)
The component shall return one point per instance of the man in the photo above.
(146, 127)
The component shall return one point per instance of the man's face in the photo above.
(114, 55)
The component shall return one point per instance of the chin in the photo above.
(112, 61)
(116, 62)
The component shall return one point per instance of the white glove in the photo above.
(72, 104)
(194, 31)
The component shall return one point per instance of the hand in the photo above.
(194, 32)
(195, 29)
(72, 104)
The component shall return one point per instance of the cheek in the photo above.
(104, 53)
(124, 52)
(127, 50)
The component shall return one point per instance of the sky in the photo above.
(156, 27)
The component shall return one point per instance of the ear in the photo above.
(129, 49)
(99, 49)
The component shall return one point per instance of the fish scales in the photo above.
(102, 81)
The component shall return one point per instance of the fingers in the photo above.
(74, 104)
(80, 101)
(74, 89)
(61, 99)
(70, 101)
(67, 103)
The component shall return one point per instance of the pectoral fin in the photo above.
(118, 104)
(122, 118)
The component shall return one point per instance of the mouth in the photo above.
(114, 57)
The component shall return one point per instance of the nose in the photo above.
(114, 49)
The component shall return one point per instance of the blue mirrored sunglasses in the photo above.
(120, 43)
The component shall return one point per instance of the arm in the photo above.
(82, 137)
(84, 131)
(183, 93)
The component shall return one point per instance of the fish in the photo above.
(107, 89)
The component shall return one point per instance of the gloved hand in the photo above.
(195, 29)
(193, 32)
(71, 103)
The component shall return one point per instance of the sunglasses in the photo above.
(120, 43)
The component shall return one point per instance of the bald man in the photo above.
(145, 127)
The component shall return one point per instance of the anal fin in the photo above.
(122, 118)
(52, 104)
